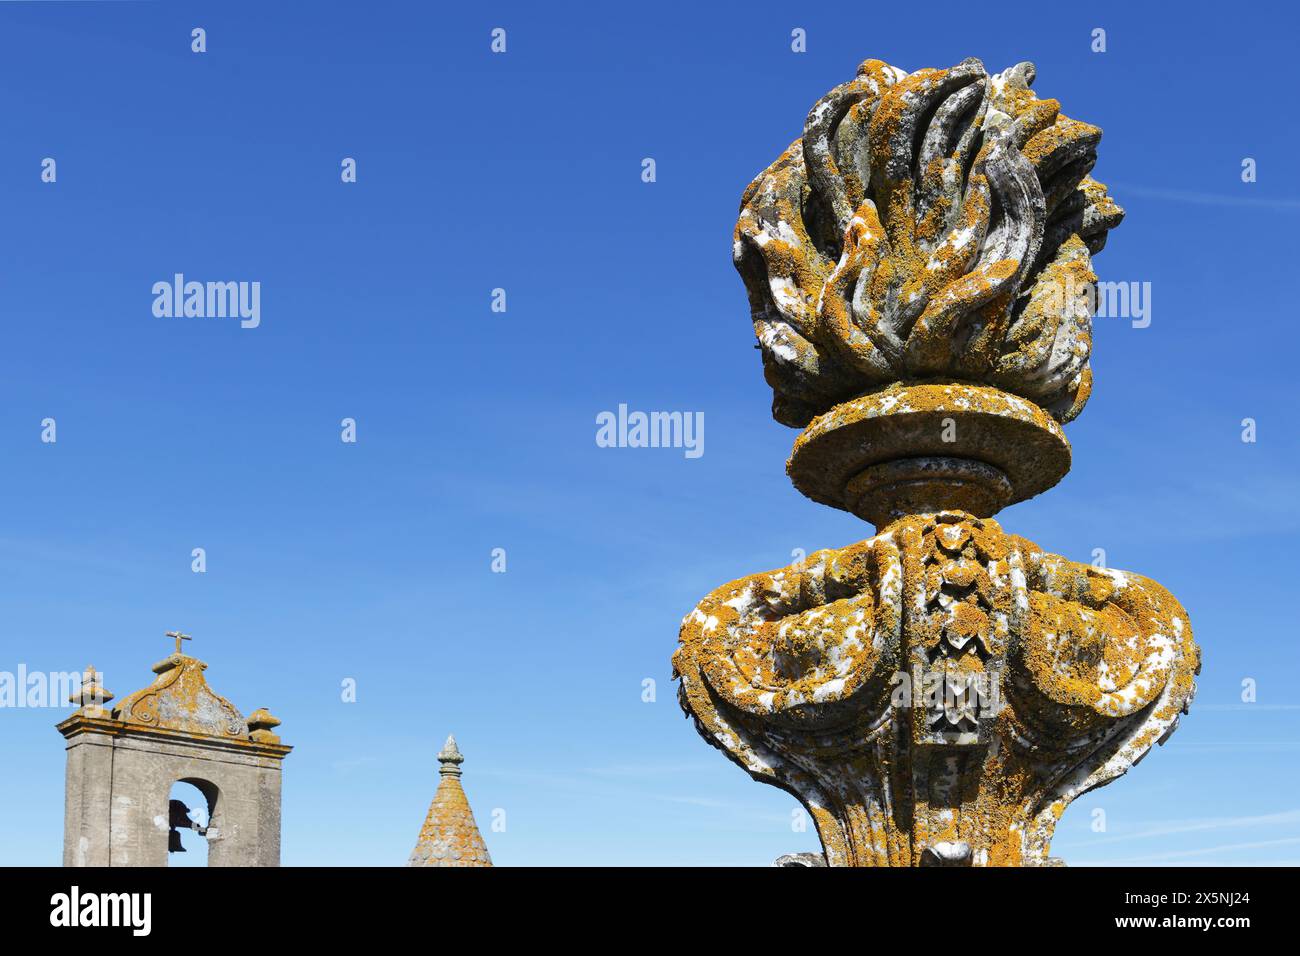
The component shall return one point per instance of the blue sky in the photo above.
(476, 430)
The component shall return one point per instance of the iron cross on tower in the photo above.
(179, 637)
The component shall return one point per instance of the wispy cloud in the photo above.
(1221, 746)
(354, 764)
(1205, 199)
(709, 802)
(733, 809)
(1261, 707)
(646, 770)
(635, 775)
(1172, 827)
(1192, 855)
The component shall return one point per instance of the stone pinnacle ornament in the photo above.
(937, 694)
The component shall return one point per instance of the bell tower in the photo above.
(124, 760)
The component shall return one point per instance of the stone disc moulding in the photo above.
(920, 448)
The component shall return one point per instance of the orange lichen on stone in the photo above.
(450, 837)
(179, 704)
(180, 701)
(919, 273)
(901, 235)
(931, 688)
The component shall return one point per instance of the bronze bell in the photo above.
(178, 816)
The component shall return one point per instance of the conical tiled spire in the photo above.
(450, 836)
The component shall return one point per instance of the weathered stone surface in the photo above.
(123, 763)
(938, 694)
(920, 228)
(91, 696)
(180, 699)
(450, 836)
(917, 267)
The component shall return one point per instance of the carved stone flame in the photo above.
(923, 227)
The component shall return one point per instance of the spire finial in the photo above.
(450, 836)
(91, 695)
(261, 726)
(450, 757)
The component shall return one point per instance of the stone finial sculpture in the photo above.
(261, 726)
(918, 264)
(91, 696)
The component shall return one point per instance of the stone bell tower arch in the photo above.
(123, 762)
